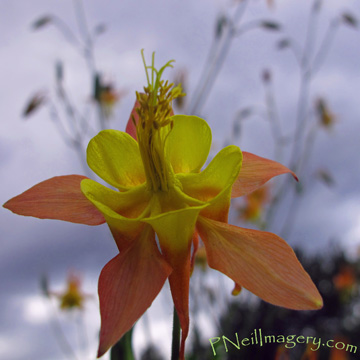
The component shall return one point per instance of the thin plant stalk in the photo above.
(175, 346)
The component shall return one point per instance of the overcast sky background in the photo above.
(31, 150)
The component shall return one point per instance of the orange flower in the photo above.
(338, 349)
(200, 258)
(345, 279)
(282, 353)
(254, 204)
(106, 96)
(162, 190)
(326, 118)
(310, 353)
(72, 297)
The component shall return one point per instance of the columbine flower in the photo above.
(326, 118)
(107, 96)
(72, 297)
(254, 204)
(310, 353)
(337, 353)
(282, 353)
(162, 190)
(345, 282)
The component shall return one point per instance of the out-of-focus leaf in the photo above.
(350, 19)
(97, 87)
(266, 76)
(283, 44)
(236, 129)
(33, 104)
(41, 22)
(123, 348)
(299, 187)
(181, 78)
(100, 29)
(317, 5)
(220, 25)
(44, 285)
(270, 25)
(326, 178)
(244, 113)
(270, 3)
(211, 294)
(326, 118)
(151, 353)
(59, 71)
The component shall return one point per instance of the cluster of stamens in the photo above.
(153, 127)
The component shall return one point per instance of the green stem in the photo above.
(122, 350)
(175, 346)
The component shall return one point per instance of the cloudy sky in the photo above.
(32, 150)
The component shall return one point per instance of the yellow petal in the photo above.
(261, 262)
(213, 185)
(188, 143)
(115, 157)
(255, 172)
(175, 230)
(57, 198)
(122, 210)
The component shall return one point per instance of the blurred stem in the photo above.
(301, 111)
(273, 117)
(310, 34)
(59, 334)
(122, 350)
(300, 118)
(296, 146)
(295, 201)
(102, 120)
(147, 328)
(54, 115)
(301, 148)
(215, 62)
(87, 38)
(66, 31)
(83, 337)
(175, 346)
(71, 141)
(325, 46)
(295, 49)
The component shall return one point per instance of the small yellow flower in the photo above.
(254, 204)
(72, 297)
(345, 282)
(107, 96)
(326, 118)
(200, 258)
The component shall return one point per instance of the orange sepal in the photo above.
(255, 172)
(128, 284)
(195, 243)
(130, 126)
(261, 262)
(179, 284)
(236, 290)
(57, 198)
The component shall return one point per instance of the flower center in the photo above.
(154, 126)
